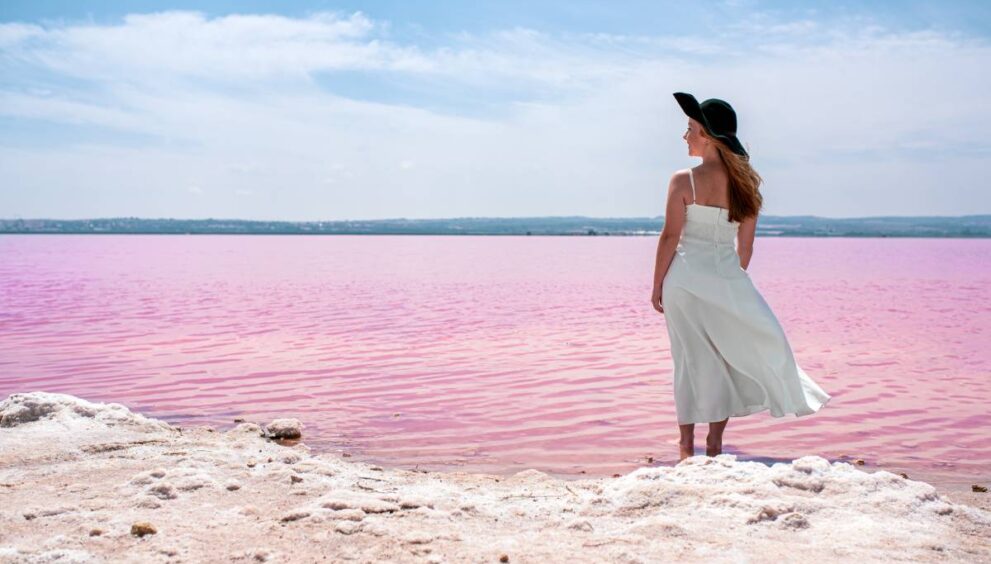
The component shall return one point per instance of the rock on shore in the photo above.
(91, 482)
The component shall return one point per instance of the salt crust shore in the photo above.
(75, 476)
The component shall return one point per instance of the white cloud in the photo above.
(563, 123)
(12, 34)
(188, 44)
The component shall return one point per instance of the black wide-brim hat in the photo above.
(716, 116)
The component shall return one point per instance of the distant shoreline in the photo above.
(968, 227)
(657, 234)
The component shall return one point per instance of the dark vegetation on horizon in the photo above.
(780, 226)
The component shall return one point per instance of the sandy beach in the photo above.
(92, 482)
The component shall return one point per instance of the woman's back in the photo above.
(710, 186)
(710, 225)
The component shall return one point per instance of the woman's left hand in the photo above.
(656, 298)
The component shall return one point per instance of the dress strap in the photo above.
(692, 179)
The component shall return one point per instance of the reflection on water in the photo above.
(497, 354)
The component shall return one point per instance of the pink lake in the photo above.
(496, 354)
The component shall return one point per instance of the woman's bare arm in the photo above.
(745, 240)
(674, 221)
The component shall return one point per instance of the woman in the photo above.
(731, 356)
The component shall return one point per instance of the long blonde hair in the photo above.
(745, 199)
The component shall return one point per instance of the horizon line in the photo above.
(211, 218)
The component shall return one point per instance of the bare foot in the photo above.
(686, 450)
(713, 448)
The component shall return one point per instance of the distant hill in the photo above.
(767, 226)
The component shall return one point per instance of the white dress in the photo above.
(730, 354)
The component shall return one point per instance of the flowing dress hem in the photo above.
(757, 409)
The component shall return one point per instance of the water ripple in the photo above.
(496, 354)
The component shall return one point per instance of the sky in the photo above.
(309, 111)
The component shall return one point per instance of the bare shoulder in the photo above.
(680, 176)
(680, 185)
